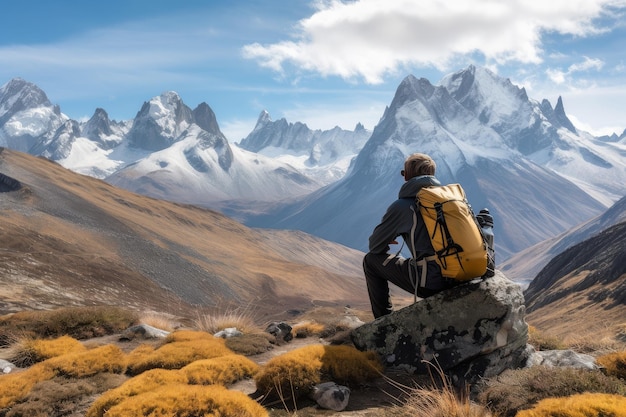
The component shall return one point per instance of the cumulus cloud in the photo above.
(370, 38)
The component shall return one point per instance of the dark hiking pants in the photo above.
(379, 273)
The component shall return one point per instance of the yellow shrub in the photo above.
(147, 381)
(580, 405)
(440, 402)
(307, 329)
(542, 341)
(109, 358)
(614, 364)
(296, 372)
(187, 336)
(181, 348)
(30, 351)
(348, 365)
(223, 370)
(189, 401)
(16, 386)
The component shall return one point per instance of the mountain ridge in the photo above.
(472, 147)
(479, 127)
(586, 283)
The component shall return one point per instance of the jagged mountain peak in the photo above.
(26, 115)
(102, 130)
(410, 89)
(559, 113)
(160, 122)
(19, 94)
(484, 92)
(264, 118)
(99, 124)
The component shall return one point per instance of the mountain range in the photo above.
(521, 158)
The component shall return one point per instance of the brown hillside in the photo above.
(582, 290)
(70, 240)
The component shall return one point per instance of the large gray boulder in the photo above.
(474, 330)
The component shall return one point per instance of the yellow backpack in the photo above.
(460, 247)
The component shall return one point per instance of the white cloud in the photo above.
(558, 77)
(586, 65)
(370, 38)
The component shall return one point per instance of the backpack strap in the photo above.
(451, 248)
(392, 256)
(423, 263)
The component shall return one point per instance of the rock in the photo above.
(331, 396)
(144, 331)
(228, 333)
(6, 367)
(351, 322)
(474, 330)
(564, 358)
(280, 330)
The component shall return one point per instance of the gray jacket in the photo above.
(398, 220)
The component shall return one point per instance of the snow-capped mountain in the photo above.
(167, 151)
(189, 160)
(27, 117)
(321, 154)
(524, 159)
(105, 132)
(484, 133)
(540, 133)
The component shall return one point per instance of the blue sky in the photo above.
(325, 63)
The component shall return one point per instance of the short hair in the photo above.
(419, 164)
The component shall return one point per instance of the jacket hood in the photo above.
(410, 188)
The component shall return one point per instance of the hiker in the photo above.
(381, 267)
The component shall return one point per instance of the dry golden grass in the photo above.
(14, 387)
(543, 341)
(308, 329)
(432, 402)
(580, 405)
(146, 382)
(108, 358)
(224, 370)
(520, 389)
(27, 351)
(79, 364)
(295, 373)
(188, 401)
(601, 340)
(180, 348)
(77, 322)
(158, 320)
(614, 364)
(61, 396)
(241, 318)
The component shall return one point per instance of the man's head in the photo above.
(418, 164)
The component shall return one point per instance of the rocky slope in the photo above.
(68, 239)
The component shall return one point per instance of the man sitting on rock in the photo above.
(381, 267)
